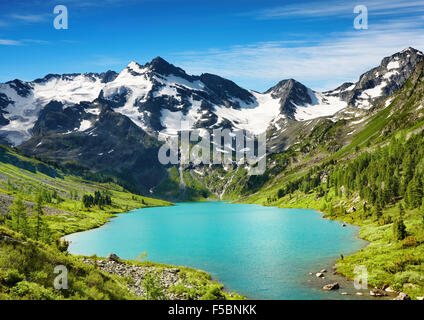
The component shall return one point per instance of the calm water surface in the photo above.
(261, 252)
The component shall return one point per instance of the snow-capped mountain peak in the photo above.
(159, 96)
(381, 81)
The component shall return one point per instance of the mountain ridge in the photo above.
(206, 101)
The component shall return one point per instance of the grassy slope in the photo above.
(26, 266)
(21, 175)
(27, 272)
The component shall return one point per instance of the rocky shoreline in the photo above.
(168, 277)
(327, 279)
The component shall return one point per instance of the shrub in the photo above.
(11, 277)
(33, 291)
(410, 242)
(152, 287)
(384, 220)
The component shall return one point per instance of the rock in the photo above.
(359, 294)
(319, 275)
(323, 271)
(331, 286)
(344, 225)
(378, 292)
(410, 286)
(113, 257)
(402, 296)
(389, 289)
(420, 298)
(174, 270)
(345, 293)
(310, 273)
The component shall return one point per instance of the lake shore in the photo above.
(173, 279)
(377, 256)
(223, 278)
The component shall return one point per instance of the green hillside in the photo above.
(40, 203)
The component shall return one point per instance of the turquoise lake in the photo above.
(260, 252)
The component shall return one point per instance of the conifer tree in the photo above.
(399, 229)
(42, 231)
(19, 216)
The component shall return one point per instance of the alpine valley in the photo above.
(355, 153)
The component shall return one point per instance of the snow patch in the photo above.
(393, 65)
(85, 124)
(322, 106)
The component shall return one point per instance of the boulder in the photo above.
(331, 286)
(402, 296)
(377, 293)
(359, 294)
(390, 290)
(323, 271)
(113, 257)
(345, 294)
(420, 298)
(410, 286)
(319, 275)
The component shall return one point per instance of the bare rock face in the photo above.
(331, 286)
(291, 93)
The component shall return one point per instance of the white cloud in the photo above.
(6, 42)
(30, 18)
(321, 9)
(322, 64)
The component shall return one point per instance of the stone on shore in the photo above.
(402, 296)
(359, 294)
(377, 293)
(410, 286)
(319, 275)
(113, 257)
(390, 290)
(323, 271)
(331, 286)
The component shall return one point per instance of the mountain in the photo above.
(110, 122)
(158, 96)
(21, 102)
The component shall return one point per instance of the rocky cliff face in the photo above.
(381, 81)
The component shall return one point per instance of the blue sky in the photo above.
(255, 43)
